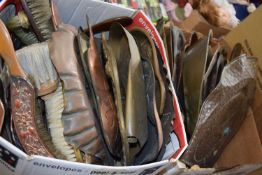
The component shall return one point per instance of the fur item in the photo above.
(219, 13)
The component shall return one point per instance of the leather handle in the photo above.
(2, 115)
(7, 52)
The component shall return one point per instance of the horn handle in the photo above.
(7, 52)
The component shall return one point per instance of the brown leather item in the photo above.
(105, 25)
(194, 68)
(112, 72)
(222, 112)
(55, 15)
(23, 114)
(22, 99)
(106, 105)
(177, 49)
(169, 46)
(132, 84)
(148, 51)
(213, 73)
(125, 68)
(2, 115)
(78, 117)
(154, 142)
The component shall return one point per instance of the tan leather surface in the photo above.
(78, 116)
(245, 146)
(169, 46)
(222, 113)
(113, 74)
(7, 52)
(132, 90)
(131, 76)
(23, 114)
(106, 104)
(105, 25)
(154, 142)
(55, 15)
(194, 67)
(2, 115)
(148, 51)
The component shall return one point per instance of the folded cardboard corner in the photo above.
(245, 147)
(74, 12)
(196, 22)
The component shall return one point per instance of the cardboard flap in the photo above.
(196, 22)
(244, 148)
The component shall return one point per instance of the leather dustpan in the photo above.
(222, 112)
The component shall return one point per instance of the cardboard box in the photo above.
(196, 22)
(245, 147)
(248, 34)
(15, 162)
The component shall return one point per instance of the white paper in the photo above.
(14, 162)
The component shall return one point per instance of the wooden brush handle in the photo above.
(7, 52)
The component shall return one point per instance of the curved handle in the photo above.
(7, 52)
(105, 25)
(2, 115)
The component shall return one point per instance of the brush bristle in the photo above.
(41, 12)
(54, 107)
(35, 61)
(44, 135)
(28, 38)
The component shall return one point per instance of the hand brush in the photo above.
(40, 17)
(22, 99)
(36, 61)
(19, 24)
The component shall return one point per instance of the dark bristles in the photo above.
(27, 38)
(40, 16)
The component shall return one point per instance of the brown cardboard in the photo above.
(249, 34)
(257, 111)
(244, 148)
(196, 22)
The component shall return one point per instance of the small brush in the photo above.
(36, 62)
(19, 24)
(40, 17)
